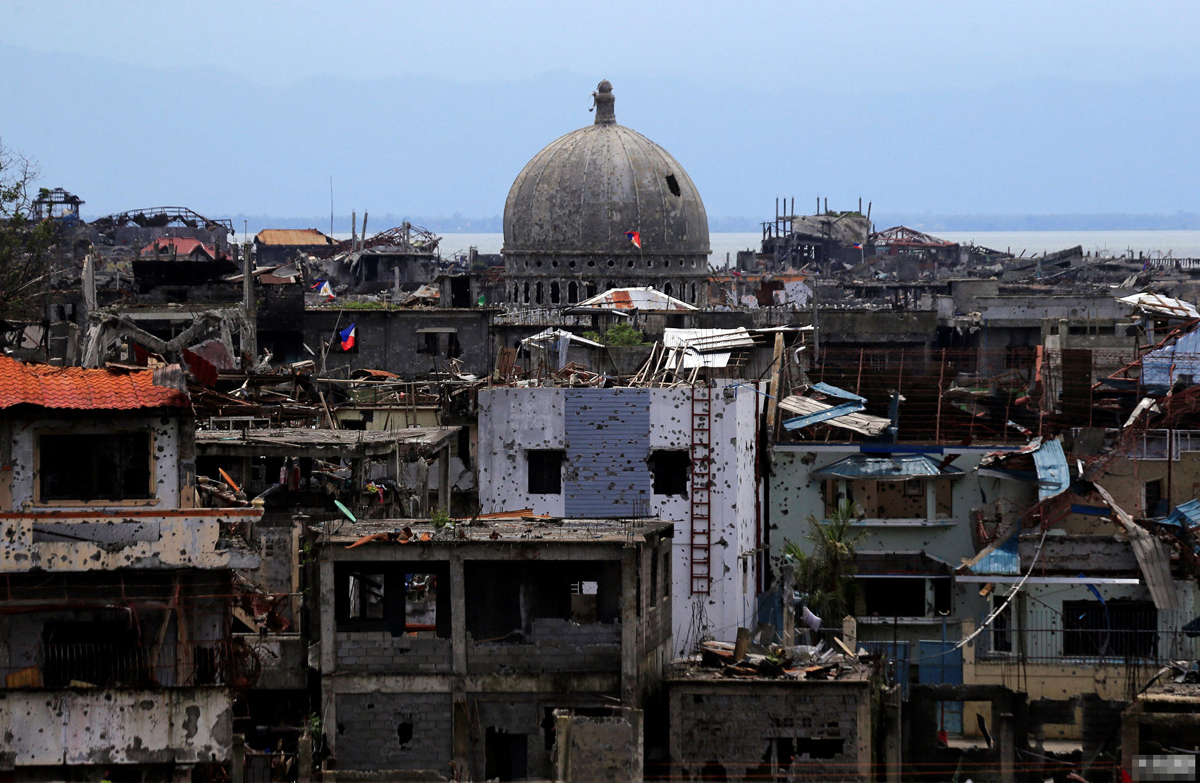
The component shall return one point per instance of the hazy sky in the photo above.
(963, 107)
(883, 44)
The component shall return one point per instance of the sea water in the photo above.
(1154, 244)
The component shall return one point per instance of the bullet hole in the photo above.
(673, 184)
(404, 733)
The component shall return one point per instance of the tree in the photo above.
(24, 243)
(618, 335)
(826, 575)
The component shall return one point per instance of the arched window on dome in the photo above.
(527, 293)
(572, 292)
(693, 299)
(539, 292)
(554, 292)
(667, 289)
(591, 290)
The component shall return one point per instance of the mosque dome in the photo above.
(583, 192)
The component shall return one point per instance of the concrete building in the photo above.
(114, 638)
(450, 650)
(784, 729)
(688, 455)
(570, 213)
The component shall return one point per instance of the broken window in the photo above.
(396, 597)
(554, 292)
(98, 653)
(453, 347)
(894, 597)
(504, 599)
(1153, 502)
(583, 601)
(365, 594)
(572, 292)
(430, 345)
(505, 755)
(545, 471)
(1116, 629)
(95, 467)
(1002, 628)
(671, 470)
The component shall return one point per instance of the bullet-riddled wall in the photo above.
(623, 452)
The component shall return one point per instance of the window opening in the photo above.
(95, 467)
(671, 471)
(673, 185)
(545, 471)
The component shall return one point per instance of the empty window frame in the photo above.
(545, 471)
(1117, 629)
(115, 466)
(395, 597)
(671, 470)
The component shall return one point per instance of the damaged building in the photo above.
(449, 650)
(117, 651)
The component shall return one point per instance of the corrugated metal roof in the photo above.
(1054, 475)
(1000, 559)
(78, 388)
(182, 246)
(895, 466)
(861, 423)
(1163, 305)
(644, 298)
(292, 237)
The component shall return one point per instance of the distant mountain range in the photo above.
(1031, 155)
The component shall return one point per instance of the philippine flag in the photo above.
(858, 245)
(323, 288)
(635, 237)
(347, 336)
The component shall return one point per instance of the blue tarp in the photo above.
(1003, 560)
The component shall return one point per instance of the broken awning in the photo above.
(885, 468)
(550, 337)
(847, 416)
(705, 347)
(1161, 305)
(1052, 473)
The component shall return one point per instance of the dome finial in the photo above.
(605, 114)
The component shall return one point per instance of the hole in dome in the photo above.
(673, 184)
(611, 262)
(591, 263)
(631, 263)
(571, 264)
(554, 264)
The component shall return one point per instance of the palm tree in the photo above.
(826, 575)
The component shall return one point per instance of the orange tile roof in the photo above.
(292, 236)
(77, 388)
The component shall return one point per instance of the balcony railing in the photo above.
(232, 664)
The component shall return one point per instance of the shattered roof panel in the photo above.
(1163, 305)
(895, 466)
(644, 298)
(862, 423)
(78, 388)
(292, 236)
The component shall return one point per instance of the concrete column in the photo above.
(850, 633)
(930, 499)
(1131, 735)
(460, 745)
(629, 627)
(237, 762)
(304, 758)
(444, 478)
(1006, 739)
(787, 589)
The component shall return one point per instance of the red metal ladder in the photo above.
(701, 484)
